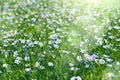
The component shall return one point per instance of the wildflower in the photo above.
(110, 65)
(32, 24)
(5, 65)
(110, 74)
(111, 37)
(118, 63)
(50, 64)
(0, 71)
(54, 36)
(22, 41)
(86, 64)
(37, 64)
(42, 67)
(109, 60)
(27, 58)
(71, 64)
(56, 46)
(94, 57)
(99, 41)
(79, 58)
(118, 40)
(81, 44)
(106, 56)
(102, 61)
(50, 42)
(58, 41)
(28, 69)
(5, 45)
(82, 50)
(117, 27)
(53, 56)
(36, 42)
(17, 60)
(72, 68)
(31, 44)
(40, 44)
(76, 78)
(75, 68)
(15, 54)
(106, 46)
(87, 57)
(33, 79)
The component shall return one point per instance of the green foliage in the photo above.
(58, 39)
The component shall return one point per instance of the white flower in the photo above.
(56, 46)
(58, 41)
(111, 37)
(75, 68)
(110, 65)
(42, 67)
(37, 64)
(53, 56)
(0, 71)
(5, 65)
(40, 44)
(81, 44)
(36, 42)
(71, 64)
(94, 57)
(32, 24)
(51, 42)
(50, 64)
(5, 45)
(118, 40)
(110, 74)
(33, 79)
(15, 54)
(99, 41)
(118, 63)
(106, 46)
(79, 58)
(87, 57)
(54, 36)
(27, 58)
(102, 61)
(17, 60)
(109, 60)
(116, 27)
(28, 69)
(22, 41)
(106, 56)
(82, 51)
(31, 44)
(43, 15)
(76, 78)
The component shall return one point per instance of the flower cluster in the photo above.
(42, 39)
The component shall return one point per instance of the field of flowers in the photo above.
(59, 40)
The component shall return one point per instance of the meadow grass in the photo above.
(59, 40)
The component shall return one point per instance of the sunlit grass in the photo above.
(59, 39)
